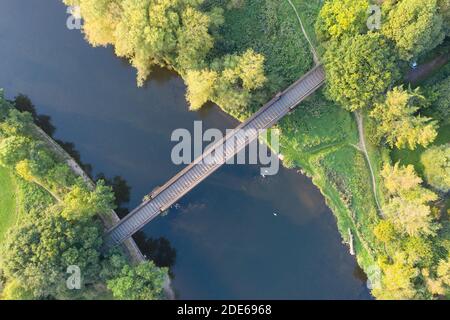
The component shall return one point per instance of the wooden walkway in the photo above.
(226, 148)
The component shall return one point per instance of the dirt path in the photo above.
(362, 147)
(424, 70)
(313, 50)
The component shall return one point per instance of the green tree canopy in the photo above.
(359, 70)
(100, 19)
(14, 149)
(37, 254)
(397, 282)
(176, 34)
(399, 122)
(415, 26)
(440, 101)
(341, 17)
(173, 33)
(444, 9)
(436, 163)
(14, 290)
(229, 83)
(80, 203)
(407, 206)
(201, 85)
(142, 282)
(15, 122)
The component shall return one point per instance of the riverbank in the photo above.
(8, 199)
(64, 215)
(319, 137)
(109, 219)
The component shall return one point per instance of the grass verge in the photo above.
(8, 199)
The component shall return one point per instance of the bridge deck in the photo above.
(215, 156)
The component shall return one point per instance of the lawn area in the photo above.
(8, 214)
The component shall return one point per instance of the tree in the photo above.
(341, 17)
(443, 271)
(148, 32)
(41, 161)
(100, 19)
(174, 34)
(399, 178)
(397, 282)
(142, 282)
(407, 206)
(38, 252)
(444, 10)
(251, 70)
(440, 101)
(359, 70)
(80, 203)
(201, 86)
(409, 217)
(112, 265)
(415, 26)
(24, 170)
(194, 41)
(399, 122)
(61, 177)
(14, 149)
(229, 81)
(14, 290)
(239, 74)
(438, 282)
(419, 251)
(15, 123)
(385, 231)
(436, 163)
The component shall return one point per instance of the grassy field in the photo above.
(8, 214)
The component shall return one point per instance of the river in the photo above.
(229, 243)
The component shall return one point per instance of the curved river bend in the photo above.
(228, 242)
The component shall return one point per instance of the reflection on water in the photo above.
(236, 235)
(159, 250)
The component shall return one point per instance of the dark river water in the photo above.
(228, 242)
